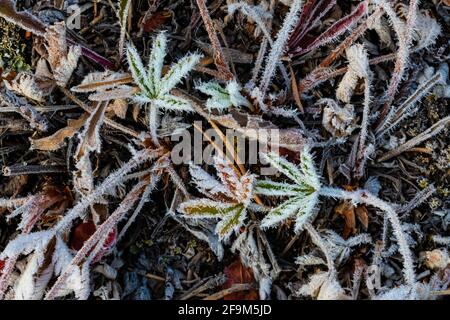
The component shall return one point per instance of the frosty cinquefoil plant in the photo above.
(303, 197)
(231, 197)
(303, 194)
(155, 88)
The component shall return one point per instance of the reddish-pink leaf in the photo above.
(84, 231)
(334, 31)
(311, 14)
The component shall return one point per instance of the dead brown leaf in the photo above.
(56, 140)
(154, 21)
(237, 273)
(363, 216)
(346, 210)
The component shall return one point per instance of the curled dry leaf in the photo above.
(56, 140)
(30, 86)
(349, 212)
(63, 58)
(340, 122)
(436, 259)
(363, 215)
(153, 21)
(119, 107)
(89, 142)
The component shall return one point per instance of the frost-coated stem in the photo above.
(153, 119)
(13, 203)
(101, 231)
(365, 119)
(404, 44)
(144, 199)
(365, 197)
(427, 134)
(105, 187)
(219, 57)
(279, 45)
(406, 108)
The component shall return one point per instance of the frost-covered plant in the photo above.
(232, 195)
(303, 194)
(155, 87)
(223, 98)
(300, 43)
(339, 121)
(322, 285)
(358, 68)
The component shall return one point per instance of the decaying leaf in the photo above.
(89, 142)
(62, 57)
(153, 21)
(56, 140)
(349, 212)
(31, 86)
(237, 273)
(346, 210)
(119, 107)
(436, 259)
(340, 122)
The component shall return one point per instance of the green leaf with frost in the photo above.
(227, 200)
(303, 194)
(155, 88)
(223, 98)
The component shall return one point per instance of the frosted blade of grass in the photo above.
(279, 45)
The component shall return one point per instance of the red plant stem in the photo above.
(401, 61)
(219, 57)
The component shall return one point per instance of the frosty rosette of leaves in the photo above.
(233, 195)
(303, 194)
(155, 88)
